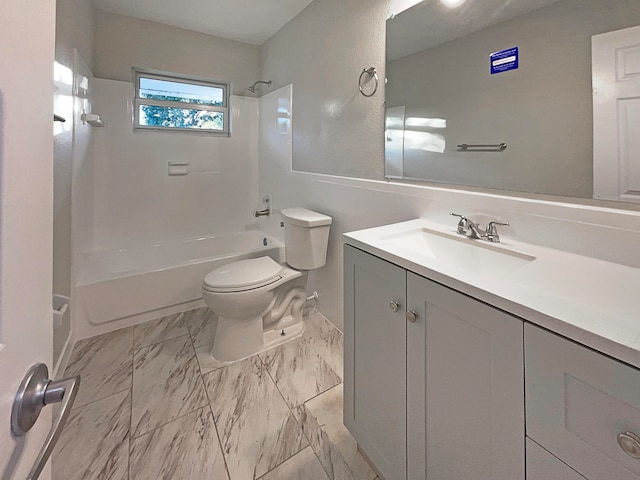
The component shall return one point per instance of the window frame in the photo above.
(181, 78)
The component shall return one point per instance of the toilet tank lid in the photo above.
(244, 273)
(304, 218)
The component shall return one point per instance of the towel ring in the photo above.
(371, 71)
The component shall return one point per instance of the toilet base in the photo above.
(244, 343)
(237, 338)
(273, 338)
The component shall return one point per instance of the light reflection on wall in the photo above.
(62, 97)
(426, 141)
(394, 142)
(398, 6)
(426, 122)
(283, 116)
(415, 138)
(406, 134)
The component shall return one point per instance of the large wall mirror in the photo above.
(536, 96)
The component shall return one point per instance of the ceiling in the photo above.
(249, 21)
(431, 23)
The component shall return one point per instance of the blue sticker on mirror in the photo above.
(504, 60)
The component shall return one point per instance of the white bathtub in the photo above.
(121, 283)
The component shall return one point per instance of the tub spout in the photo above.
(263, 213)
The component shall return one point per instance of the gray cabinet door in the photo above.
(541, 465)
(375, 393)
(579, 402)
(472, 375)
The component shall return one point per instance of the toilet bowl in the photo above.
(258, 301)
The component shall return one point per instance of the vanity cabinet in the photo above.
(375, 383)
(583, 407)
(434, 381)
(541, 465)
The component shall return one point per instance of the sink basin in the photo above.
(458, 251)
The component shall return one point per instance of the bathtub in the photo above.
(121, 283)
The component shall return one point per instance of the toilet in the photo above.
(258, 300)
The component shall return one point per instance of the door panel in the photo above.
(375, 360)
(541, 465)
(26, 191)
(616, 115)
(579, 402)
(474, 385)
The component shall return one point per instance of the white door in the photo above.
(616, 115)
(26, 189)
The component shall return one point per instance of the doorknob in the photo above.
(35, 392)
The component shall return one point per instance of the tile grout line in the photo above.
(166, 423)
(295, 454)
(310, 445)
(136, 350)
(323, 392)
(180, 316)
(131, 405)
(295, 418)
(330, 476)
(99, 399)
(132, 436)
(213, 417)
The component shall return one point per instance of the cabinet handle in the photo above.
(630, 444)
(412, 316)
(394, 306)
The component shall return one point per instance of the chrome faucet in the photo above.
(265, 212)
(470, 229)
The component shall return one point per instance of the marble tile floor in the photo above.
(153, 404)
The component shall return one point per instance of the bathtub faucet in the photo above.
(265, 212)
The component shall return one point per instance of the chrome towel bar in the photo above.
(494, 147)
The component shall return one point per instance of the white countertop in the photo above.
(590, 301)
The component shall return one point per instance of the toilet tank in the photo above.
(306, 237)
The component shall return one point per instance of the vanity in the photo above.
(466, 359)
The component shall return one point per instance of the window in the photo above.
(187, 104)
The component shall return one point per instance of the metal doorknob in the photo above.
(412, 316)
(394, 306)
(35, 392)
(630, 444)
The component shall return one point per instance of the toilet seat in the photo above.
(243, 275)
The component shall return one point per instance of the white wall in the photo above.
(136, 202)
(74, 40)
(123, 42)
(322, 52)
(74, 30)
(349, 138)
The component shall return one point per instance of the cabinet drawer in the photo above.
(578, 402)
(541, 465)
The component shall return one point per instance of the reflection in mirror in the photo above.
(445, 89)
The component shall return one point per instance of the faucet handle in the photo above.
(492, 232)
(462, 224)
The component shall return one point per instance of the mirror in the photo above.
(498, 94)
